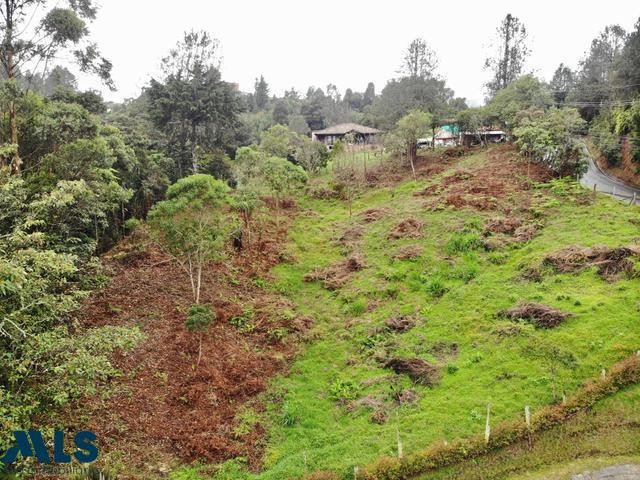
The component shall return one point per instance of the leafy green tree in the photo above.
(550, 140)
(369, 95)
(282, 178)
(313, 109)
(278, 141)
(526, 93)
(410, 128)
(597, 71)
(511, 54)
(199, 320)
(298, 124)
(280, 112)
(193, 224)
(562, 83)
(310, 155)
(261, 93)
(401, 96)
(248, 165)
(627, 68)
(245, 201)
(472, 120)
(419, 60)
(61, 28)
(192, 105)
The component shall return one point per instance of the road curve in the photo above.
(608, 184)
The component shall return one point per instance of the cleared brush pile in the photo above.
(401, 323)
(408, 252)
(408, 228)
(336, 275)
(420, 371)
(612, 263)
(541, 316)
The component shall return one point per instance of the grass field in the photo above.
(319, 417)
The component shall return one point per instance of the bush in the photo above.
(343, 390)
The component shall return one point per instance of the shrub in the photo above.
(343, 390)
(464, 242)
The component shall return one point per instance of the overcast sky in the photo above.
(348, 43)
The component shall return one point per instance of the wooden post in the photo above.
(613, 193)
(633, 199)
(527, 416)
(400, 454)
(594, 186)
(603, 373)
(487, 428)
(356, 470)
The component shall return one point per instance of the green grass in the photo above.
(455, 288)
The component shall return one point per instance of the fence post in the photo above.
(487, 428)
(603, 373)
(633, 199)
(356, 470)
(613, 193)
(594, 187)
(527, 415)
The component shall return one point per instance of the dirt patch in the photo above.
(336, 275)
(456, 177)
(429, 191)
(408, 252)
(612, 263)
(373, 214)
(401, 323)
(460, 200)
(163, 407)
(408, 228)
(502, 225)
(420, 371)
(541, 316)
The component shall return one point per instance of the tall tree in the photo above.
(562, 82)
(61, 28)
(419, 60)
(261, 93)
(628, 66)
(369, 95)
(507, 65)
(597, 71)
(192, 105)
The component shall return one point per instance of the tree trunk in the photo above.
(194, 159)
(198, 281)
(412, 155)
(199, 350)
(16, 162)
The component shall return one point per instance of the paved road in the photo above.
(616, 472)
(608, 184)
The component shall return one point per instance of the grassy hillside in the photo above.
(340, 407)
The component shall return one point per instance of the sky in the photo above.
(347, 43)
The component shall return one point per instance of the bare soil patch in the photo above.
(612, 263)
(163, 407)
(541, 316)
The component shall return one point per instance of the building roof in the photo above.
(344, 128)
